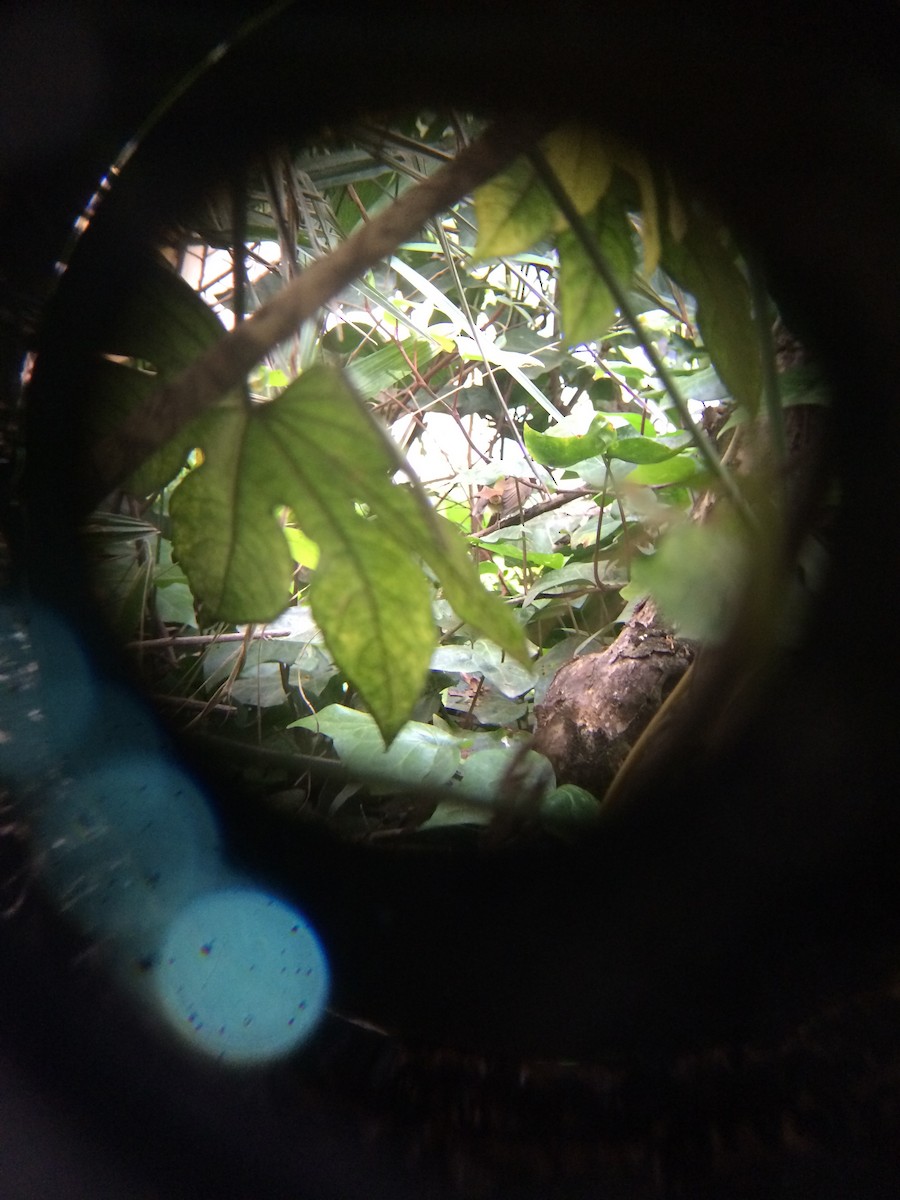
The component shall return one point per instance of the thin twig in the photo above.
(204, 639)
(538, 510)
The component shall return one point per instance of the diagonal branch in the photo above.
(226, 364)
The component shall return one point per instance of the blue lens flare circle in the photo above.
(241, 976)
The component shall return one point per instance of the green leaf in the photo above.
(490, 707)
(588, 307)
(373, 605)
(449, 813)
(483, 774)
(164, 326)
(372, 373)
(675, 470)
(643, 450)
(552, 450)
(639, 169)
(570, 578)
(164, 323)
(420, 756)
(567, 809)
(696, 577)
(702, 264)
(514, 211)
(515, 554)
(485, 658)
(304, 550)
(577, 157)
(175, 604)
(117, 389)
(317, 450)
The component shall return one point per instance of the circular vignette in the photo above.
(765, 132)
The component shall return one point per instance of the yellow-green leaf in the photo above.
(555, 450)
(514, 211)
(577, 156)
(317, 450)
(304, 550)
(588, 306)
(373, 606)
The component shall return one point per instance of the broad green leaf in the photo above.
(175, 604)
(304, 550)
(420, 756)
(577, 156)
(164, 326)
(485, 658)
(643, 450)
(372, 373)
(514, 211)
(557, 451)
(516, 554)
(639, 169)
(696, 577)
(675, 470)
(116, 389)
(702, 264)
(490, 707)
(704, 386)
(567, 809)
(450, 813)
(259, 686)
(571, 578)
(639, 422)
(483, 774)
(164, 323)
(373, 604)
(317, 450)
(588, 307)
(259, 683)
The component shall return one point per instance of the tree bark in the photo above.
(598, 705)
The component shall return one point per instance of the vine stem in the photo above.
(589, 243)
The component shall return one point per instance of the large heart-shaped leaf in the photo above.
(317, 450)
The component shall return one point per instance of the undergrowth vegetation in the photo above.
(467, 469)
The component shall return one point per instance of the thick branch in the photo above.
(225, 365)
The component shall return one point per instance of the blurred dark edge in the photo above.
(792, 119)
